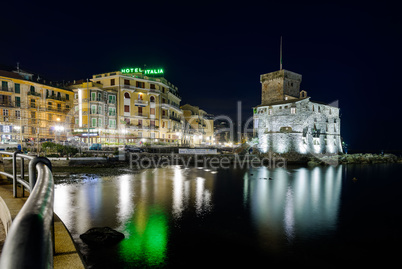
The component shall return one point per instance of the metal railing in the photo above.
(30, 240)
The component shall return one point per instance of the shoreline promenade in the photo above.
(66, 254)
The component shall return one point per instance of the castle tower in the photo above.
(278, 85)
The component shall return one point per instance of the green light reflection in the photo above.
(146, 242)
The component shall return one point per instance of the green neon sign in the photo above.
(144, 71)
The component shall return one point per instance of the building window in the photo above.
(17, 101)
(5, 112)
(152, 111)
(152, 86)
(112, 111)
(126, 108)
(100, 122)
(112, 123)
(67, 97)
(126, 82)
(4, 85)
(93, 122)
(93, 109)
(6, 129)
(139, 110)
(112, 99)
(33, 103)
(139, 122)
(93, 96)
(293, 110)
(17, 114)
(112, 82)
(32, 89)
(126, 95)
(270, 111)
(58, 107)
(17, 88)
(99, 109)
(152, 123)
(152, 99)
(140, 96)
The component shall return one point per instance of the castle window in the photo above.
(293, 110)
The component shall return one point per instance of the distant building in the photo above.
(32, 108)
(288, 121)
(199, 126)
(128, 106)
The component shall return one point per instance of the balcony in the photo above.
(36, 94)
(140, 115)
(7, 104)
(175, 118)
(141, 103)
(55, 97)
(155, 91)
(6, 89)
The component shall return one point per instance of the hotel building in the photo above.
(128, 106)
(33, 108)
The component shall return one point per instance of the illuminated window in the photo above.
(93, 122)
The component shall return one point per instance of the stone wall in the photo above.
(276, 85)
(309, 128)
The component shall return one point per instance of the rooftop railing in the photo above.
(30, 240)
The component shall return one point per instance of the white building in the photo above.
(288, 121)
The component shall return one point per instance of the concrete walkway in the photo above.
(66, 254)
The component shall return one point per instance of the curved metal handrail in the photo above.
(30, 241)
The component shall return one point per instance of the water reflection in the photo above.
(298, 203)
(272, 208)
(139, 205)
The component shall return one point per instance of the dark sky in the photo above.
(216, 51)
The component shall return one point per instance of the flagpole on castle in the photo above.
(280, 60)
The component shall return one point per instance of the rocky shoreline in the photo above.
(358, 158)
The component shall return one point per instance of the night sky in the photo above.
(214, 52)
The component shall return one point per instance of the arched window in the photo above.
(126, 95)
(152, 99)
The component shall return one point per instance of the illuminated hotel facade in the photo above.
(32, 108)
(128, 106)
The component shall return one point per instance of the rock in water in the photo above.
(102, 236)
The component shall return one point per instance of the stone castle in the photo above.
(288, 121)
